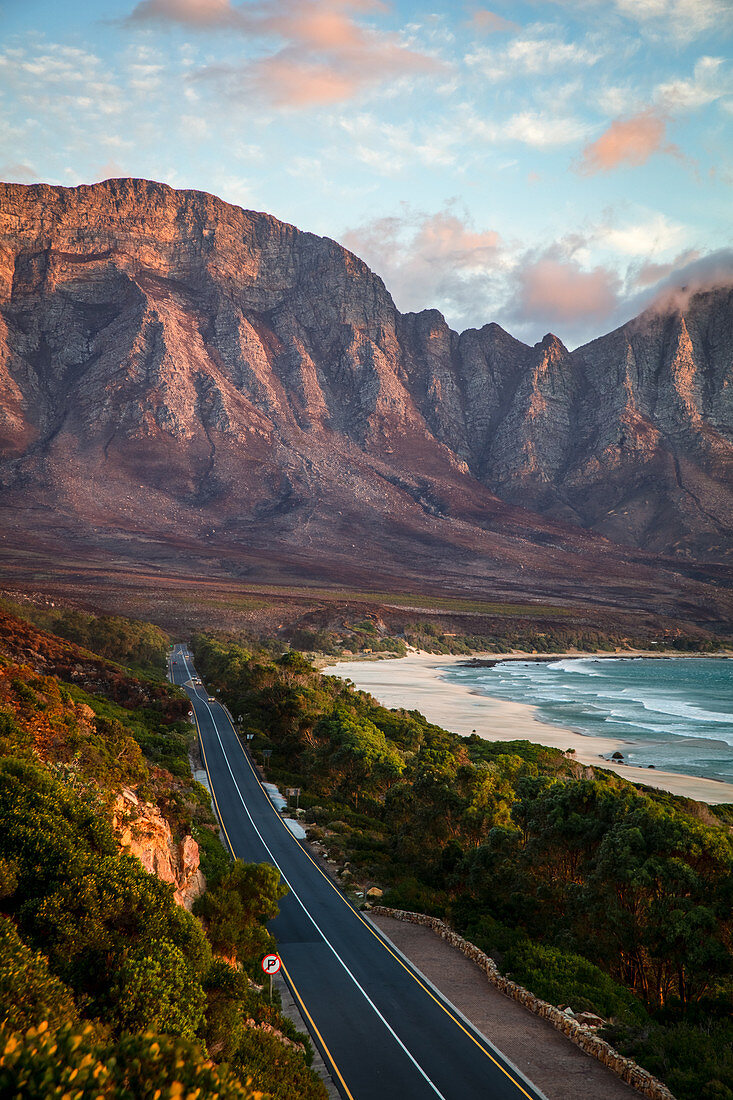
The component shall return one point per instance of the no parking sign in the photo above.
(271, 964)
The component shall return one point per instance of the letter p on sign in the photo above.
(271, 964)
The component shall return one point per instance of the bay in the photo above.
(674, 713)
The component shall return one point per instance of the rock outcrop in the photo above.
(144, 832)
(179, 373)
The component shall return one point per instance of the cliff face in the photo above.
(145, 833)
(174, 368)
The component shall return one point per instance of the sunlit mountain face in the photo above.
(181, 374)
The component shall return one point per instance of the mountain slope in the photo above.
(177, 372)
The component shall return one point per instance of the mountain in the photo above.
(179, 376)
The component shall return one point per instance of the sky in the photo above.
(552, 165)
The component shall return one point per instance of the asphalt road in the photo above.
(384, 1032)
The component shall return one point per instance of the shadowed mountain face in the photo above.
(177, 372)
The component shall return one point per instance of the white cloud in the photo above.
(531, 55)
(709, 82)
(683, 20)
(544, 131)
(387, 148)
(649, 238)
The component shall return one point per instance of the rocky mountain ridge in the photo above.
(180, 372)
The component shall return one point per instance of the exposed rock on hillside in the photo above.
(177, 372)
(145, 833)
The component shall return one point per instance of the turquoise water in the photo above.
(678, 712)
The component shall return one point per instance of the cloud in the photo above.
(198, 14)
(651, 274)
(631, 141)
(473, 276)
(488, 22)
(709, 82)
(324, 54)
(431, 260)
(532, 54)
(388, 149)
(683, 20)
(538, 129)
(18, 173)
(706, 273)
(544, 131)
(679, 20)
(109, 171)
(645, 238)
(553, 291)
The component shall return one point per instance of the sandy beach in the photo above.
(414, 682)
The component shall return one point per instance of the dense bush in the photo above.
(120, 956)
(41, 1064)
(129, 642)
(235, 911)
(30, 993)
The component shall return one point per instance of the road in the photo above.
(384, 1032)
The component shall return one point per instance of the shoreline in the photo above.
(414, 683)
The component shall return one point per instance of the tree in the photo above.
(236, 909)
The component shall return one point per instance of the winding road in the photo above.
(383, 1030)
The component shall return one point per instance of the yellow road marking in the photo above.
(356, 913)
(292, 984)
(301, 1002)
(377, 937)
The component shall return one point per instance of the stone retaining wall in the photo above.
(581, 1035)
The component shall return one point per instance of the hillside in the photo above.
(184, 380)
(110, 986)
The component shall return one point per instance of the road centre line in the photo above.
(315, 924)
(288, 976)
(434, 994)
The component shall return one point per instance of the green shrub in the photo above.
(258, 1054)
(694, 1059)
(214, 858)
(236, 909)
(30, 994)
(563, 978)
(41, 1065)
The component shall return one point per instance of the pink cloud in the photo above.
(431, 260)
(630, 141)
(559, 291)
(709, 272)
(192, 13)
(288, 81)
(650, 274)
(18, 173)
(488, 22)
(325, 55)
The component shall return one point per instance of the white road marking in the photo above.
(315, 924)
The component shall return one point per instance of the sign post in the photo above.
(293, 792)
(270, 965)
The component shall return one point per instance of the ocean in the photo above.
(676, 713)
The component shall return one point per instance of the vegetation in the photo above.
(588, 890)
(108, 988)
(136, 645)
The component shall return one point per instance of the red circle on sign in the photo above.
(271, 964)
